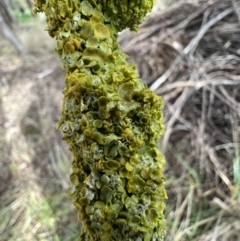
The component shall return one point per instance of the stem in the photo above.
(111, 121)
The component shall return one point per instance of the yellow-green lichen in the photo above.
(111, 121)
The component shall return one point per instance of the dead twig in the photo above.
(190, 47)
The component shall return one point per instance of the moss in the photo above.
(110, 119)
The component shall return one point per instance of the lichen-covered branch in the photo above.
(110, 119)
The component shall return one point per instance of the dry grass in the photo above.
(189, 54)
(35, 163)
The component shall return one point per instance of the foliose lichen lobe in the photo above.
(111, 121)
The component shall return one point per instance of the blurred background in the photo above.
(186, 51)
